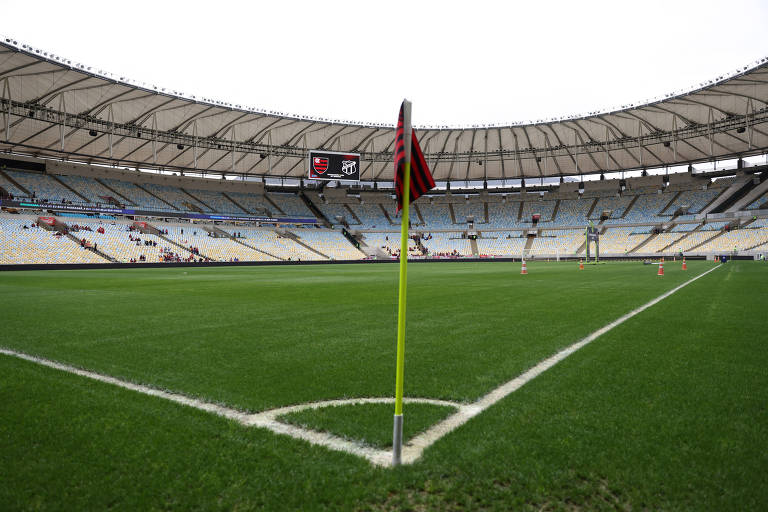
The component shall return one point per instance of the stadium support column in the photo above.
(62, 119)
(7, 110)
(111, 123)
(194, 143)
(232, 140)
(154, 138)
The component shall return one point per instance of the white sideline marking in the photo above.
(412, 450)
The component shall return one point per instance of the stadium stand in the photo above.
(443, 218)
(503, 215)
(33, 244)
(759, 203)
(558, 242)
(472, 208)
(45, 187)
(125, 245)
(331, 243)
(253, 203)
(447, 244)
(504, 244)
(11, 188)
(175, 196)
(269, 241)
(217, 201)
(89, 188)
(136, 196)
(388, 242)
(290, 204)
(736, 240)
(573, 212)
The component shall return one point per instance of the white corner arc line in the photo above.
(412, 450)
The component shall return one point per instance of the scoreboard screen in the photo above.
(331, 165)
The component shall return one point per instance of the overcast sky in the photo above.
(461, 63)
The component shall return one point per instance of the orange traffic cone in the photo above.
(685, 267)
(661, 268)
(524, 270)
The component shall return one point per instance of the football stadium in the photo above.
(207, 305)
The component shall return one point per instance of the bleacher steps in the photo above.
(295, 238)
(529, 243)
(418, 214)
(155, 196)
(78, 194)
(166, 239)
(15, 183)
(453, 215)
(554, 212)
(629, 206)
(197, 199)
(592, 208)
(485, 212)
(756, 245)
(475, 249)
(752, 195)
(274, 204)
(314, 209)
(520, 211)
(386, 214)
(717, 234)
(237, 204)
(686, 235)
(735, 188)
(670, 203)
(582, 247)
(92, 249)
(237, 240)
(713, 200)
(353, 214)
(220, 233)
(643, 243)
(145, 227)
(117, 194)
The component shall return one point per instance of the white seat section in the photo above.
(446, 244)
(388, 242)
(558, 242)
(116, 242)
(269, 241)
(501, 245)
(216, 248)
(37, 245)
(329, 242)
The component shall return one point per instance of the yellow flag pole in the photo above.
(397, 435)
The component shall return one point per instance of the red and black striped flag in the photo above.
(421, 178)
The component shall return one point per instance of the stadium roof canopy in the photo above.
(52, 107)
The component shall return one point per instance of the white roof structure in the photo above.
(54, 108)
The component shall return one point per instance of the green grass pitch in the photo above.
(667, 411)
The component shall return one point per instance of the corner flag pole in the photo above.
(397, 433)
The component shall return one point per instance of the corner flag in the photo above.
(421, 179)
(412, 186)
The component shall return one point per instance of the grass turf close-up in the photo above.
(667, 410)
